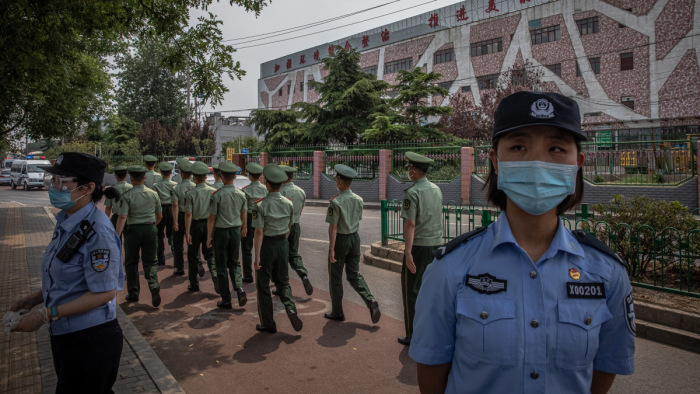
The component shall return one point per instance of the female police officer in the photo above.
(81, 275)
(525, 305)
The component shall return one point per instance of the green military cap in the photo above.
(228, 168)
(418, 161)
(254, 168)
(119, 168)
(180, 160)
(288, 169)
(342, 169)
(199, 168)
(137, 169)
(185, 166)
(165, 166)
(215, 167)
(274, 173)
(150, 158)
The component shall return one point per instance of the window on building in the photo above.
(487, 81)
(446, 85)
(397, 65)
(289, 88)
(578, 70)
(626, 61)
(595, 64)
(486, 47)
(555, 68)
(280, 92)
(370, 70)
(311, 86)
(444, 56)
(301, 86)
(466, 89)
(545, 34)
(592, 114)
(587, 26)
(628, 101)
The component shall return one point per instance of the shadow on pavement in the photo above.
(260, 344)
(407, 375)
(337, 334)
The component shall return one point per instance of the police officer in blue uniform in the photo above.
(81, 275)
(526, 305)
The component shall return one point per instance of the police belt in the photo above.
(275, 237)
(347, 235)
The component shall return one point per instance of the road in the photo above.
(659, 368)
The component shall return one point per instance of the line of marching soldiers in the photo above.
(221, 220)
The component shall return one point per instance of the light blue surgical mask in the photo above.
(61, 198)
(536, 186)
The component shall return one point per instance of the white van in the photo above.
(27, 174)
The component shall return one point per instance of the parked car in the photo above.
(27, 174)
(5, 177)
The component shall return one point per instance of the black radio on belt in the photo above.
(83, 233)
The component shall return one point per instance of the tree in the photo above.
(55, 68)
(279, 128)
(146, 90)
(121, 129)
(154, 138)
(409, 114)
(475, 122)
(194, 139)
(250, 143)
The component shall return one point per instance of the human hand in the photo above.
(209, 240)
(189, 239)
(256, 263)
(331, 256)
(25, 303)
(175, 227)
(244, 232)
(409, 263)
(32, 321)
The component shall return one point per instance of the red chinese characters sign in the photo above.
(347, 46)
(289, 63)
(433, 21)
(331, 50)
(317, 56)
(277, 67)
(385, 35)
(365, 41)
(492, 6)
(461, 15)
(302, 59)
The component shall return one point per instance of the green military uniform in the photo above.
(177, 178)
(197, 202)
(218, 183)
(121, 187)
(178, 196)
(345, 211)
(140, 205)
(228, 204)
(165, 190)
(151, 176)
(422, 203)
(253, 192)
(298, 197)
(275, 215)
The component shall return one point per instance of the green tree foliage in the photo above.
(121, 129)
(471, 121)
(146, 90)
(409, 115)
(251, 143)
(643, 230)
(54, 68)
(194, 139)
(154, 138)
(279, 128)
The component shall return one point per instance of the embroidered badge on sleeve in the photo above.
(99, 259)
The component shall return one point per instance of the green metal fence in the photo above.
(302, 160)
(664, 260)
(364, 161)
(446, 167)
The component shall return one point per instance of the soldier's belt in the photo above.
(166, 205)
(275, 237)
(143, 224)
(199, 220)
(347, 235)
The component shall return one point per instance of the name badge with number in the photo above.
(585, 290)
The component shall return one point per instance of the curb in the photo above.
(656, 323)
(162, 378)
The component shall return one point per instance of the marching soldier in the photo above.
(254, 191)
(151, 176)
(298, 197)
(165, 191)
(422, 233)
(196, 215)
(178, 206)
(343, 216)
(140, 210)
(272, 216)
(121, 186)
(228, 211)
(218, 183)
(177, 178)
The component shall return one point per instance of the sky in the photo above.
(285, 14)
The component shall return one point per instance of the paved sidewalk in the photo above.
(27, 365)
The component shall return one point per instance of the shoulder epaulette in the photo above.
(590, 240)
(216, 191)
(334, 197)
(257, 201)
(448, 247)
(245, 186)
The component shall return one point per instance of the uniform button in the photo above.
(588, 321)
(484, 315)
(535, 324)
(533, 274)
(534, 375)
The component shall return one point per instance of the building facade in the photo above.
(630, 64)
(229, 129)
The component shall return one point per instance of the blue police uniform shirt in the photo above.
(505, 323)
(96, 267)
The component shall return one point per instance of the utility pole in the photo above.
(187, 71)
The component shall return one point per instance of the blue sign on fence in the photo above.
(244, 151)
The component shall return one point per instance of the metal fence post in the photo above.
(385, 222)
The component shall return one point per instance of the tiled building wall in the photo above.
(311, 95)
(673, 23)
(637, 7)
(413, 49)
(297, 91)
(369, 59)
(680, 94)
(504, 28)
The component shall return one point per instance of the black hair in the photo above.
(100, 191)
(344, 178)
(200, 178)
(498, 197)
(228, 176)
(290, 176)
(120, 174)
(166, 172)
(274, 186)
(254, 176)
(137, 176)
